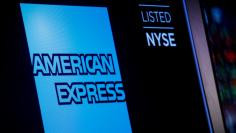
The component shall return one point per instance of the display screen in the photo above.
(102, 66)
(75, 68)
(219, 19)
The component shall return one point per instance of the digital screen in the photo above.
(75, 69)
(219, 19)
(98, 67)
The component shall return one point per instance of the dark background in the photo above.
(219, 17)
(162, 88)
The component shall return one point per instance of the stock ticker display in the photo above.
(104, 66)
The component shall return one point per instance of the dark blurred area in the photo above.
(220, 25)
